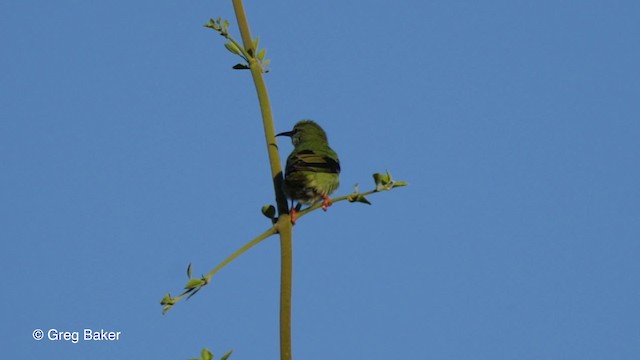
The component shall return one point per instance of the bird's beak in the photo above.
(286, 133)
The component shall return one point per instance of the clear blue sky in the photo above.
(129, 148)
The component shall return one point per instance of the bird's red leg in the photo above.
(326, 202)
(294, 215)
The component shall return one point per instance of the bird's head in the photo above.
(306, 130)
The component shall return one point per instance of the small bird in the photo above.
(312, 170)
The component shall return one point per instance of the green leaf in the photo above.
(233, 48)
(269, 211)
(189, 271)
(241, 67)
(360, 198)
(211, 24)
(226, 356)
(381, 179)
(167, 300)
(255, 43)
(205, 354)
(261, 54)
(400, 184)
(194, 283)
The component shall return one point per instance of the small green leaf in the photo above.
(194, 283)
(189, 271)
(232, 48)
(362, 199)
(211, 24)
(269, 211)
(381, 179)
(400, 184)
(226, 356)
(255, 42)
(261, 54)
(377, 178)
(225, 25)
(167, 300)
(355, 197)
(205, 354)
(241, 67)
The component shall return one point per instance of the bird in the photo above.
(313, 168)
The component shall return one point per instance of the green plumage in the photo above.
(312, 170)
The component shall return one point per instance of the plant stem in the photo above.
(284, 221)
(286, 271)
(241, 251)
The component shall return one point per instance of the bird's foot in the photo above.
(294, 215)
(326, 202)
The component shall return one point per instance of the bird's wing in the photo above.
(309, 160)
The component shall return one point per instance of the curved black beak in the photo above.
(286, 133)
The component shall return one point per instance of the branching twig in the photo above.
(384, 182)
(196, 284)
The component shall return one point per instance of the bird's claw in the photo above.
(326, 202)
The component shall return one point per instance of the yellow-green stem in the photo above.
(241, 251)
(286, 270)
(284, 222)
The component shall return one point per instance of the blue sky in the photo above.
(130, 149)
